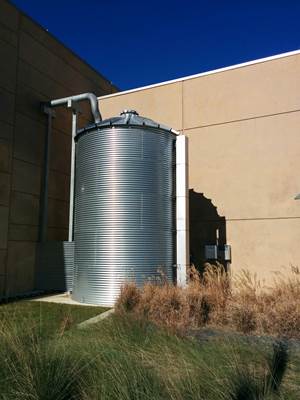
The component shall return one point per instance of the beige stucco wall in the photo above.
(243, 126)
(34, 67)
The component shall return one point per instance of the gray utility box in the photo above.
(224, 252)
(214, 252)
(211, 252)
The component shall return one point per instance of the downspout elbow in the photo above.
(94, 106)
(80, 97)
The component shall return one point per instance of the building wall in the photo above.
(34, 67)
(244, 156)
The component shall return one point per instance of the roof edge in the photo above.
(214, 71)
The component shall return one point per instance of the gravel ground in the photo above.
(206, 334)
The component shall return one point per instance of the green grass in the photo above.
(46, 318)
(122, 358)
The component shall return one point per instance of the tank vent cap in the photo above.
(129, 112)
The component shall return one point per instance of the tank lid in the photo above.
(126, 118)
(129, 112)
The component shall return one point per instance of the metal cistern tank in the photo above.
(124, 226)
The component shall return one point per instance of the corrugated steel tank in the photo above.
(124, 228)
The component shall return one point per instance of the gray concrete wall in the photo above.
(34, 67)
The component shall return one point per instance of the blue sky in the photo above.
(137, 43)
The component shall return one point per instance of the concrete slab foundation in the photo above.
(62, 298)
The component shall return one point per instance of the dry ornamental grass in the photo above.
(241, 303)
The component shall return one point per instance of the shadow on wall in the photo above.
(55, 266)
(207, 227)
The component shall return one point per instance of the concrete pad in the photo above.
(96, 319)
(62, 298)
(65, 298)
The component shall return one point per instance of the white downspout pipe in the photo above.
(71, 102)
(182, 210)
(75, 111)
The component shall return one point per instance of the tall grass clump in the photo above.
(215, 298)
(273, 310)
(34, 369)
(129, 297)
(244, 303)
(116, 375)
(259, 382)
(203, 301)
